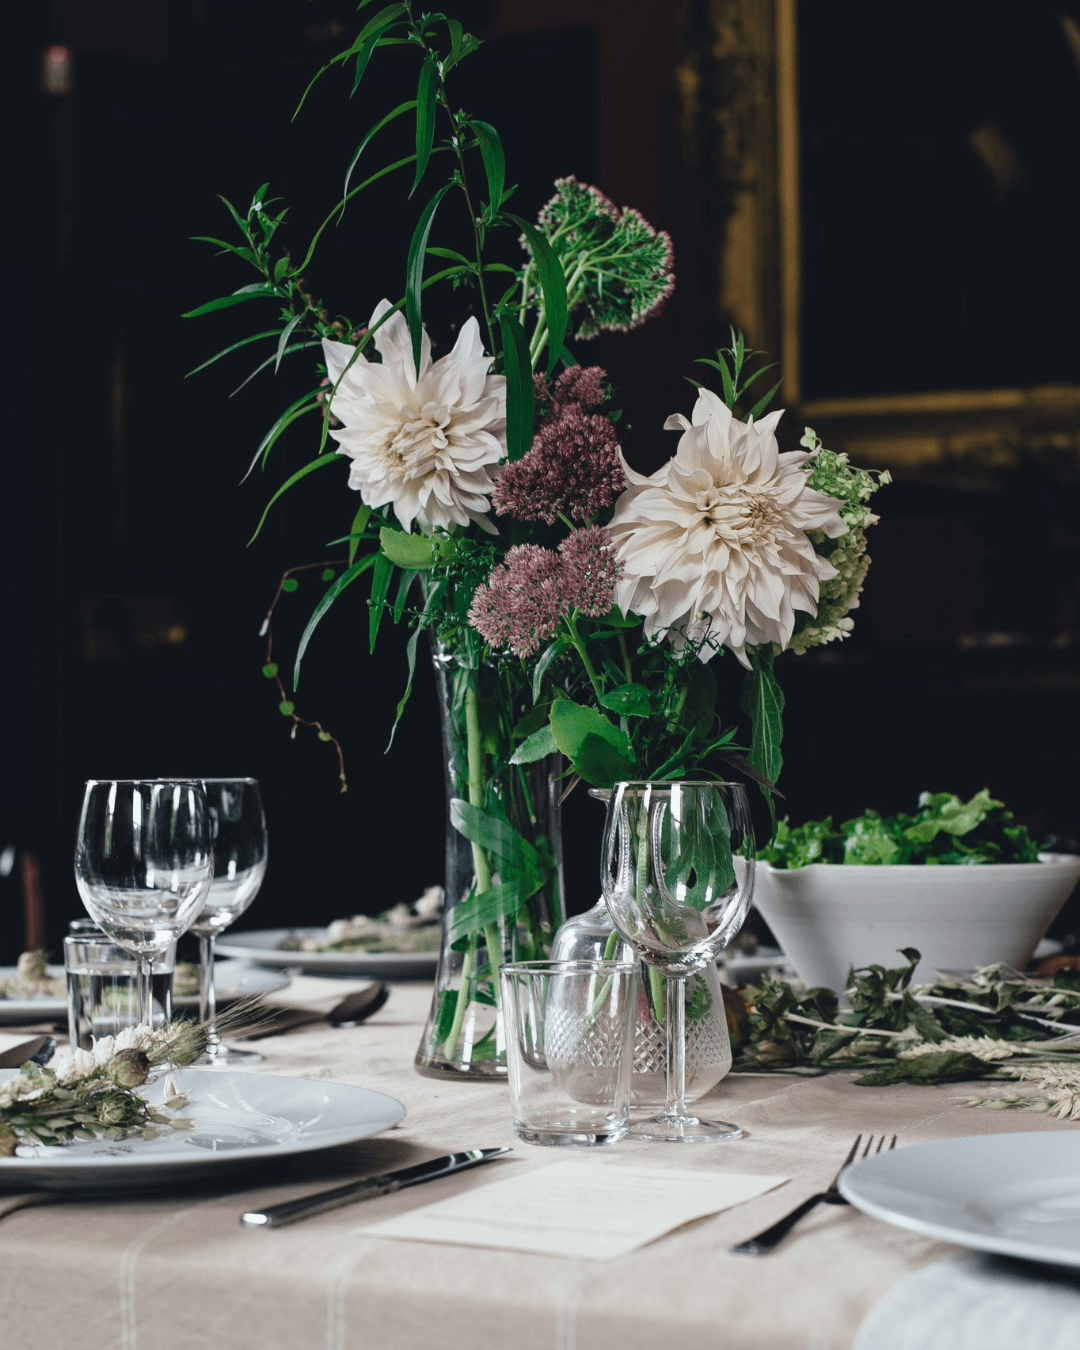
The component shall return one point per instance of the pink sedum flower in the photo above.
(523, 600)
(426, 444)
(590, 570)
(573, 469)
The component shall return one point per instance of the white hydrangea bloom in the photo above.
(427, 445)
(714, 545)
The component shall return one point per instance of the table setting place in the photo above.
(790, 1083)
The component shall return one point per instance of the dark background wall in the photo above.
(133, 607)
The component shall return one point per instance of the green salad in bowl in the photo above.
(944, 831)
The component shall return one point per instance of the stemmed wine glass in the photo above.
(677, 872)
(238, 829)
(143, 867)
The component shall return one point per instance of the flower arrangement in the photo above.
(575, 606)
(92, 1094)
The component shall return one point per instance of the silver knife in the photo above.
(276, 1215)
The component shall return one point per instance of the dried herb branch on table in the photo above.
(996, 1025)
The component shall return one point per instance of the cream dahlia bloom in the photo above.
(428, 446)
(714, 545)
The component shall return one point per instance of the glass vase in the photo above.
(592, 937)
(504, 883)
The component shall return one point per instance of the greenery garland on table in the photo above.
(996, 1025)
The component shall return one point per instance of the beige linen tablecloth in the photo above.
(176, 1272)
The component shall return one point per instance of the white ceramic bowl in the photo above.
(829, 917)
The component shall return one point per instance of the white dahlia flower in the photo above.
(426, 446)
(714, 545)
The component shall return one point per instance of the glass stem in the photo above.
(675, 1016)
(144, 990)
(208, 993)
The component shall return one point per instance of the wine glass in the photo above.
(238, 828)
(677, 872)
(143, 867)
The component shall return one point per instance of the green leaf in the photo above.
(226, 301)
(763, 700)
(598, 751)
(269, 332)
(286, 708)
(552, 284)
(425, 118)
(414, 272)
(380, 584)
(304, 404)
(328, 574)
(415, 551)
(270, 669)
(940, 1066)
(537, 746)
(290, 584)
(432, 602)
(283, 341)
(762, 403)
(293, 347)
(553, 652)
(501, 840)
(630, 700)
(398, 164)
(445, 1018)
(405, 581)
(319, 463)
(497, 902)
(360, 521)
(330, 595)
(491, 152)
(520, 392)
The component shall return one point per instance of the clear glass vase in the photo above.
(592, 937)
(504, 882)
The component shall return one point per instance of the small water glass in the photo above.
(569, 1049)
(102, 984)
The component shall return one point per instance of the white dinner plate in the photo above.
(1013, 1194)
(234, 979)
(264, 947)
(240, 1118)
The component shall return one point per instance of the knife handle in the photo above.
(275, 1216)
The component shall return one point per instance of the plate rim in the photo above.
(960, 1237)
(12, 1009)
(91, 1163)
(275, 956)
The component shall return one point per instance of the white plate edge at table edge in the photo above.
(959, 1237)
(94, 1162)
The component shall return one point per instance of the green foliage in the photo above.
(599, 752)
(944, 831)
(731, 363)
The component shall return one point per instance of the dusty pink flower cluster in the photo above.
(525, 598)
(573, 468)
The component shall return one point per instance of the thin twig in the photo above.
(267, 631)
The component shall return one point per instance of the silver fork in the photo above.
(771, 1238)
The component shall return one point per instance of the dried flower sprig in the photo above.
(91, 1094)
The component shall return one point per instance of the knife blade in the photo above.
(274, 1216)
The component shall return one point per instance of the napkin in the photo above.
(17, 1048)
(307, 1000)
(977, 1302)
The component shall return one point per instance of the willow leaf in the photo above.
(319, 463)
(425, 119)
(269, 332)
(494, 165)
(520, 392)
(401, 108)
(414, 272)
(331, 594)
(552, 284)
